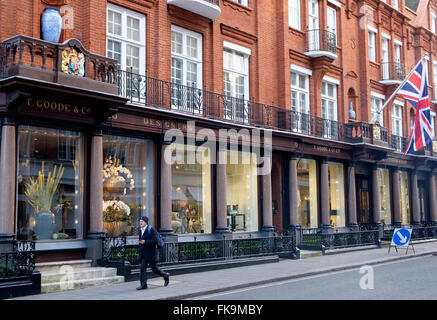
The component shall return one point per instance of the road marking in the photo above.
(279, 283)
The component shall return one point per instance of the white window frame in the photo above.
(433, 22)
(433, 115)
(377, 98)
(333, 27)
(397, 137)
(434, 76)
(235, 111)
(184, 95)
(372, 44)
(329, 122)
(242, 2)
(395, 4)
(124, 40)
(294, 14)
(300, 119)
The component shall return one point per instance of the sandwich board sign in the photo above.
(401, 238)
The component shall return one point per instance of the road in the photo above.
(400, 280)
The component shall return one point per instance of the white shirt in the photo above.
(142, 230)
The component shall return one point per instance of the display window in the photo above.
(405, 197)
(191, 191)
(241, 191)
(384, 194)
(336, 194)
(307, 193)
(128, 184)
(50, 181)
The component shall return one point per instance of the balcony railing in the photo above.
(34, 58)
(398, 143)
(392, 73)
(363, 132)
(206, 8)
(320, 43)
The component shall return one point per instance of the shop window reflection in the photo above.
(307, 193)
(384, 189)
(50, 184)
(128, 189)
(242, 191)
(405, 200)
(191, 190)
(336, 192)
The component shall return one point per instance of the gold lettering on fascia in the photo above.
(326, 149)
(56, 106)
(152, 122)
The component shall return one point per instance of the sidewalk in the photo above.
(202, 283)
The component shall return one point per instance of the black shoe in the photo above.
(141, 288)
(166, 280)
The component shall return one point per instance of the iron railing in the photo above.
(394, 71)
(398, 143)
(18, 263)
(424, 233)
(318, 240)
(117, 250)
(321, 40)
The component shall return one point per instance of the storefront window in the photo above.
(336, 194)
(307, 193)
(50, 184)
(128, 184)
(405, 200)
(384, 194)
(242, 191)
(191, 191)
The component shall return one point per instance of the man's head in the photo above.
(144, 221)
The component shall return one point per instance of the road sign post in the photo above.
(401, 239)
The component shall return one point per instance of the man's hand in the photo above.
(142, 241)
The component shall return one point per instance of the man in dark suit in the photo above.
(147, 253)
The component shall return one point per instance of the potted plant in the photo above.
(116, 216)
(39, 192)
(116, 177)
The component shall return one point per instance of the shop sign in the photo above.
(326, 149)
(54, 106)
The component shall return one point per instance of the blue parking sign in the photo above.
(401, 237)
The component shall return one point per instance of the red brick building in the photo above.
(312, 72)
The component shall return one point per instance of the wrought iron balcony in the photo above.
(321, 43)
(67, 63)
(206, 8)
(398, 143)
(392, 73)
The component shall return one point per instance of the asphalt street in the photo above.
(414, 279)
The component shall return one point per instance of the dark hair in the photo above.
(145, 219)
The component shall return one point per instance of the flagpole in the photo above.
(400, 86)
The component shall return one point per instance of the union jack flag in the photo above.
(415, 90)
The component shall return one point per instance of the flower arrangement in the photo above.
(40, 192)
(116, 175)
(115, 210)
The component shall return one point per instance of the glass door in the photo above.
(313, 26)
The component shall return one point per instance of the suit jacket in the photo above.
(148, 251)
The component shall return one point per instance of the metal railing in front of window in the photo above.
(398, 143)
(321, 40)
(392, 71)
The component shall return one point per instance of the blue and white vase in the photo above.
(51, 25)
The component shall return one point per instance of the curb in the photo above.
(297, 276)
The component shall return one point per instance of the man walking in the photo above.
(148, 253)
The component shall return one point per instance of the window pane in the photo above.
(133, 29)
(227, 83)
(58, 153)
(239, 62)
(336, 192)
(114, 50)
(302, 82)
(331, 91)
(405, 203)
(384, 187)
(114, 23)
(227, 59)
(242, 191)
(239, 87)
(176, 71)
(133, 58)
(192, 47)
(307, 193)
(293, 79)
(191, 191)
(176, 42)
(191, 74)
(128, 188)
(294, 100)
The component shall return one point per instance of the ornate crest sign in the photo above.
(73, 62)
(376, 132)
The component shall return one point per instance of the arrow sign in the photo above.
(401, 237)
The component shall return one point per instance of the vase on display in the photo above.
(44, 224)
(51, 25)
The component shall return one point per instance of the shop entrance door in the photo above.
(363, 199)
(423, 208)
